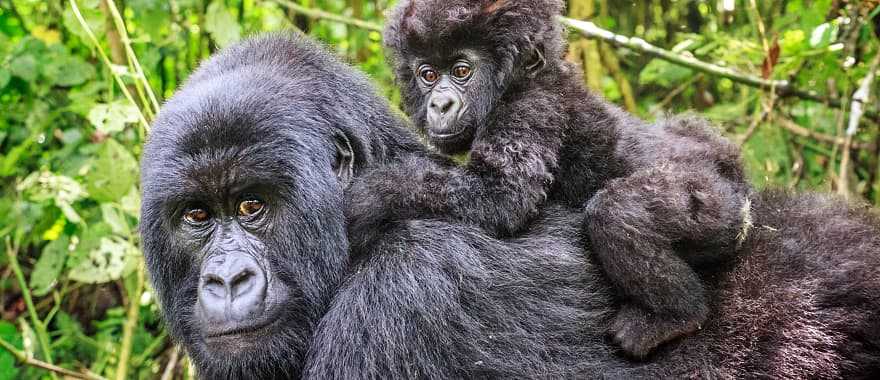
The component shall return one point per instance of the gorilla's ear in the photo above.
(536, 62)
(343, 164)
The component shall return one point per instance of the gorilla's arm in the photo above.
(508, 176)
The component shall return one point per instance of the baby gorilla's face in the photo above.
(455, 95)
(243, 232)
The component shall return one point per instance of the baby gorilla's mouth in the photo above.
(447, 127)
(445, 135)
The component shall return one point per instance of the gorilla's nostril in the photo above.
(242, 283)
(442, 104)
(214, 285)
(447, 106)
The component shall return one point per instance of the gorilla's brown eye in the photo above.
(461, 71)
(196, 216)
(429, 75)
(250, 207)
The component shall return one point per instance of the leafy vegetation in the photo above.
(81, 79)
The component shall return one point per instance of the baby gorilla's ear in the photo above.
(536, 62)
(343, 164)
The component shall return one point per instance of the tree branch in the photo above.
(130, 323)
(38, 326)
(860, 97)
(317, 13)
(798, 130)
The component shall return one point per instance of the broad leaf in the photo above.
(112, 174)
(111, 118)
(222, 26)
(113, 259)
(49, 266)
(8, 333)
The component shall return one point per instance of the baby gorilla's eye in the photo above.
(461, 71)
(196, 216)
(250, 207)
(428, 74)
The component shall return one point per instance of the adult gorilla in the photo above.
(245, 241)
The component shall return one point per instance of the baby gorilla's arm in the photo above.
(506, 180)
(648, 231)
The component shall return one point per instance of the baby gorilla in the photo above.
(488, 77)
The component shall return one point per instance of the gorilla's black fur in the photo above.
(488, 76)
(435, 299)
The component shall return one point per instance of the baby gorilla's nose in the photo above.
(232, 288)
(444, 108)
(445, 104)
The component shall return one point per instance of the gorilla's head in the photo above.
(455, 59)
(243, 175)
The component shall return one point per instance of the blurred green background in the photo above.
(78, 86)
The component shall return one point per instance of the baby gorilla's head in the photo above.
(456, 59)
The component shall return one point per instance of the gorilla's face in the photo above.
(450, 96)
(243, 235)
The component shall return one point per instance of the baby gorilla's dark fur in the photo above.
(488, 77)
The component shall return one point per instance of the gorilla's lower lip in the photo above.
(240, 330)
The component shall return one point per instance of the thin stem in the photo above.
(130, 323)
(168, 373)
(860, 97)
(42, 336)
(106, 60)
(132, 57)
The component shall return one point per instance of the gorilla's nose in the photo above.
(232, 288)
(445, 104)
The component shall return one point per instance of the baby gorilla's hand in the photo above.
(370, 206)
(639, 332)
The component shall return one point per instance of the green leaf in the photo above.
(113, 259)
(793, 41)
(49, 266)
(111, 118)
(68, 71)
(24, 67)
(131, 203)
(151, 16)
(89, 240)
(5, 76)
(91, 12)
(823, 35)
(8, 333)
(663, 73)
(64, 191)
(273, 17)
(115, 219)
(221, 25)
(113, 173)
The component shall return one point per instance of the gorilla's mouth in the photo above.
(445, 135)
(234, 335)
(250, 329)
(449, 127)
